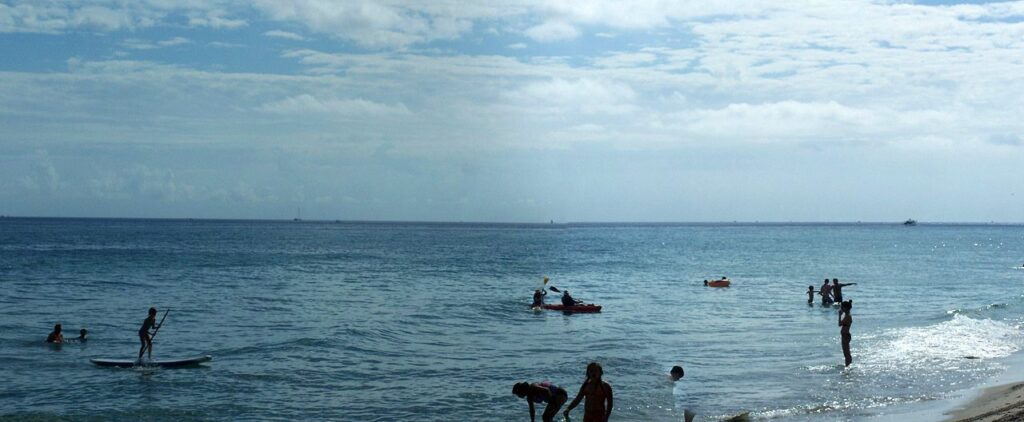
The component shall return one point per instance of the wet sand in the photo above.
(1003, 403)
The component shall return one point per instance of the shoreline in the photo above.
(1003, 402)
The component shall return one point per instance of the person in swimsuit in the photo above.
(145, 337)
(538, 297)
(837, 289)
(542, 392)
(55, 335)
(845, 320)
(810, 295)
(826, 293)
(597, 393)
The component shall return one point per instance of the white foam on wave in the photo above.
(951, 340)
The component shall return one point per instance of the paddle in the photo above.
(157, 330)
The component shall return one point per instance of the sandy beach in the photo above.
(1003, 403)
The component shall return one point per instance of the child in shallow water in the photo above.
(598, 394)
(542, 392)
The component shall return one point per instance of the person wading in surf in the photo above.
(845, 320)
(597, 392)
(837, 289)
(826, 293)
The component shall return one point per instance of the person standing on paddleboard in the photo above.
(144, 336)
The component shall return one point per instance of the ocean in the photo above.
(430, 321)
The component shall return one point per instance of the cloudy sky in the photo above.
(522, 110)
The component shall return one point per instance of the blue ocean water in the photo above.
(404, 321)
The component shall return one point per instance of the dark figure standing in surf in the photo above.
(145, 337)
(598, 395)
(826, 293)
(837, 289)
(845, 320)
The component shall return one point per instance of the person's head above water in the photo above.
(82, 333)
(847, 305)
(56, 328)
(152, 311)
(521, 389)
(810, 288)
(676, 372)
(835, 280)
(826, 281)
(594, 371)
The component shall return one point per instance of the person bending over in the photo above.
(542, 392)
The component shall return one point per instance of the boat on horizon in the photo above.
(910, 222)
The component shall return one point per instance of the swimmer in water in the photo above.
(55, 336)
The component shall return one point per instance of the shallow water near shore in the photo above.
(390, 321)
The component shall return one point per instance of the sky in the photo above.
(513, 111)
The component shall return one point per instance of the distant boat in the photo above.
(298, 215)
(910, 222)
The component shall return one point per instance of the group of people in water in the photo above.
(145, 336)
(832, 294)
(57, 336)
(595, 392)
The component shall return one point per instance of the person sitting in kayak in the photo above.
(567, 299)
(542, 392)
(145, 337)
(55, 335)
(538, 297)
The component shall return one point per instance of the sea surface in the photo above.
(430, 322)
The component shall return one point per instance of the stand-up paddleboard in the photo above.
(172, 363)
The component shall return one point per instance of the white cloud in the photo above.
(306, 103)
(551, 31)
(564, 97)
(137, 44)
(284, 34)
(516, 46)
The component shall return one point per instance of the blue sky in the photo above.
(513, 111)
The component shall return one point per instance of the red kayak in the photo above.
(582, 308)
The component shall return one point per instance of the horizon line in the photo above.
(549, 222)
